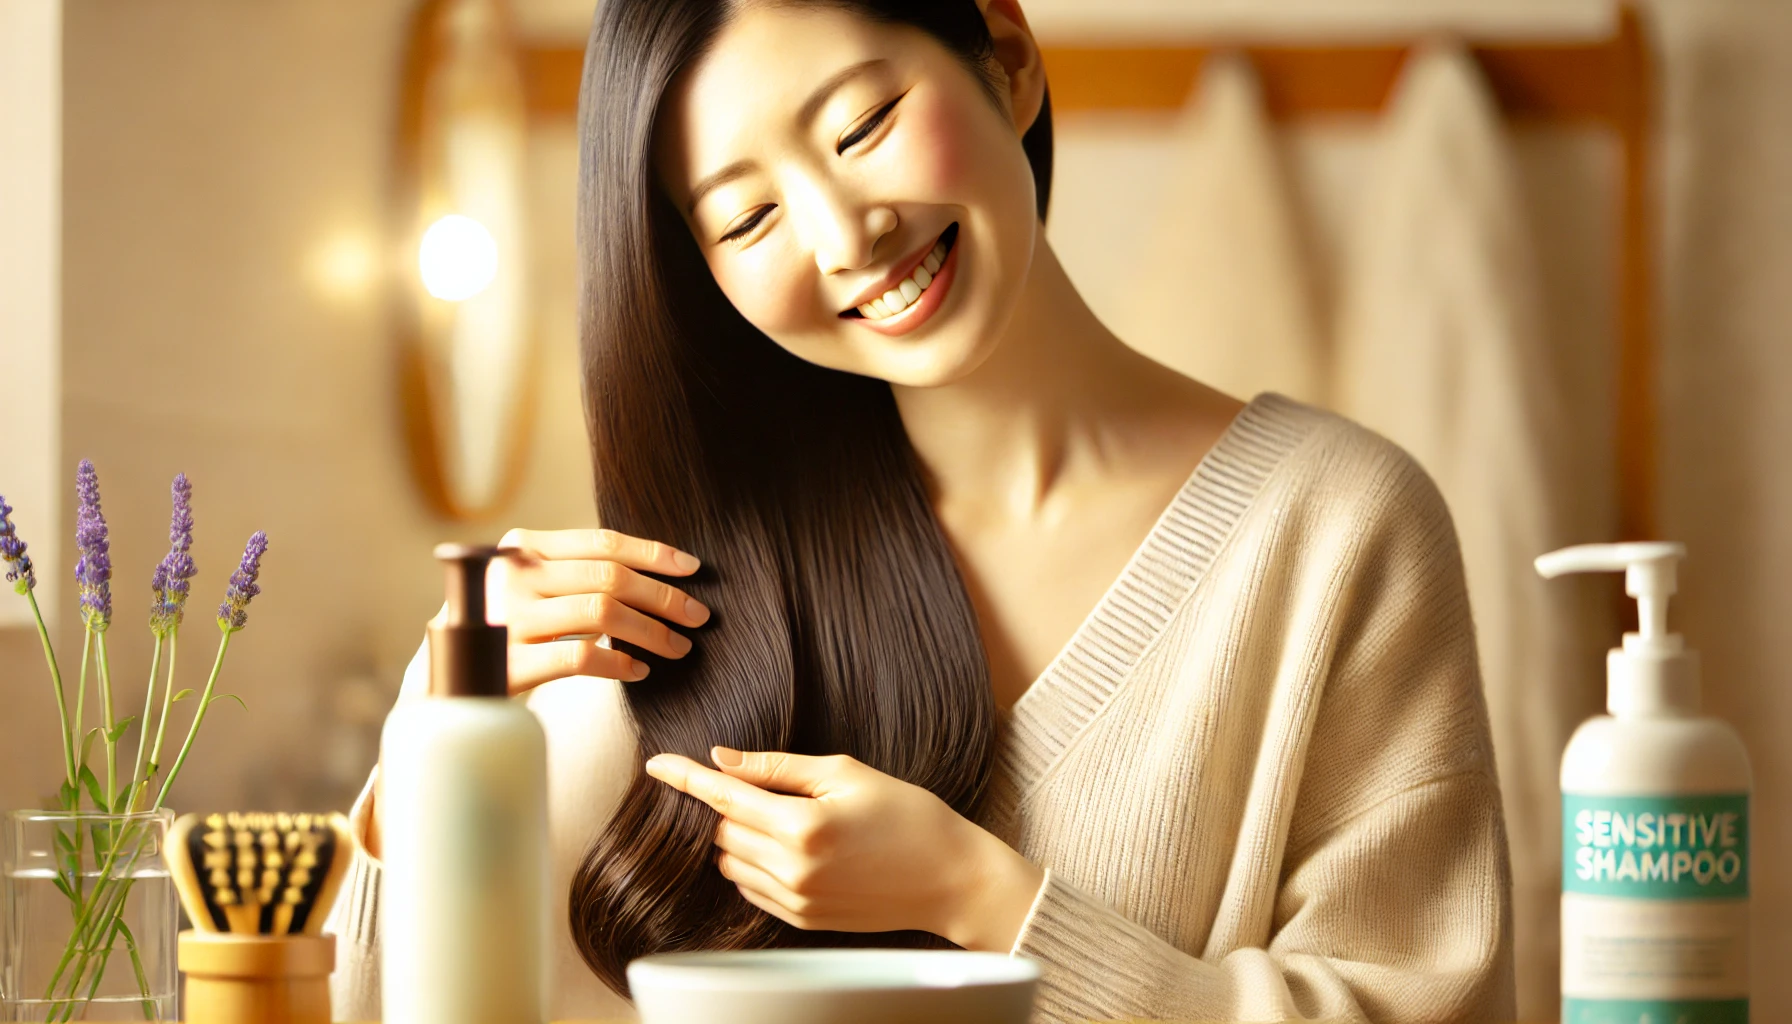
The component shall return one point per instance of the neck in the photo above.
(1056, 401)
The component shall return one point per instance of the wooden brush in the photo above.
(253, 873)
(258, 888)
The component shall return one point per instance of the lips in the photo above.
(907, 290)
(937, 293)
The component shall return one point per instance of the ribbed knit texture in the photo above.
(1259, 775)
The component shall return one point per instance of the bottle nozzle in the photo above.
(468, 655)
(1649, 568)
(1652, 672)
(465, 565)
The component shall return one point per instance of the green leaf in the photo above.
(130, 942)
(60, 884)
(68, 795)
(63, 842)
(93, 788)
(117, 732)
(227, 696)
(87, 744)
(182, 695)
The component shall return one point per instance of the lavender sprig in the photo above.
(117, 847)
(23, 577)
(233, 614)
(93, 573)
(19, 572)
(171, 581)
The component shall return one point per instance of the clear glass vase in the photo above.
(90, 917)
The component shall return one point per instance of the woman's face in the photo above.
(856, 192)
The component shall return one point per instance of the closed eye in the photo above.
(746, 227)
(866, 127)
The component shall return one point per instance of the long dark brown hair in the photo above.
(840, 624)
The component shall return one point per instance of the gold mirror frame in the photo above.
(467, 363)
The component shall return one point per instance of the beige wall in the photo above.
(30, 266)
(224, 162)
(1725, 161)
(214, 149)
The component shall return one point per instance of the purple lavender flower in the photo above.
(93, 572)
(18, 564)
(234, 612)
(172, 579)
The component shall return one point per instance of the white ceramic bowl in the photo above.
(833, 986)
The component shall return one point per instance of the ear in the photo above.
(1018, 54)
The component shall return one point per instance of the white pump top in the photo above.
(1653, 673)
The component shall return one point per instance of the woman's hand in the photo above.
(568, 586)
(829, 843)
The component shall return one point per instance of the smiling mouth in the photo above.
(909, 291)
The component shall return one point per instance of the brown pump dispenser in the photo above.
(468, 657)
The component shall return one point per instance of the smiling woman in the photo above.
(1003, 635)
(847, 627)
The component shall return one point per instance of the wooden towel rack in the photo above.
(1604, 83)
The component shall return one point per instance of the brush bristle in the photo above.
(260, 873)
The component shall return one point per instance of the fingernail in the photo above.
(686, 562)
(655, 764)
(727, 757)
(639, 668)
(696, 610)
(681, 644)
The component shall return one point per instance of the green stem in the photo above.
(77, 939)
(155, 752)
(109, 895)
(68, 741)
(81, 694)
(205, 700)
(138, 782)
(109, 718)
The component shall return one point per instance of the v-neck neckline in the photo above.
(1174, 556)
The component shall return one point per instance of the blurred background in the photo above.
(210, 221)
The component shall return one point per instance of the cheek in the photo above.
(938, 155)
(768, 286)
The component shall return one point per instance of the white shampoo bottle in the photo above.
(1655, 829)
(463, 813)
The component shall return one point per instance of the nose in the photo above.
(840, 228)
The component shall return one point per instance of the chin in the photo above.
(932, 364)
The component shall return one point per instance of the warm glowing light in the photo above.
(458, 258)
(342, 266)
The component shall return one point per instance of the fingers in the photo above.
(772, 907)
(762, 889)
(554, 617)
(534, 664)
(751, 845)
(647, 555)
(569, 578)
(730, 797)
(799, 774)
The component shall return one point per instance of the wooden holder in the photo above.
(257, 979)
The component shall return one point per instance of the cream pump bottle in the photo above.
(1655, 826)
(463, 805)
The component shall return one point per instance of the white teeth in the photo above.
(904, 294)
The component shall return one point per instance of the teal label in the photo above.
(1654, 1011)
(1648, 847)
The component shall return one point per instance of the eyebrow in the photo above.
(805, 114)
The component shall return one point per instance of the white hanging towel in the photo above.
(1440, 346)
(1222, 294)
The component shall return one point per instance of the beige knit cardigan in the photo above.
(1258, 776)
